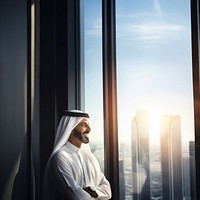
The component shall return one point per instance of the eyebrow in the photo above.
(84, 123)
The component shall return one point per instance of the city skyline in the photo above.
(167, 164)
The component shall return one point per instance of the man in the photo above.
(73, 172)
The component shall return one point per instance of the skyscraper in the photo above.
(140, 156)
(192, 170)
(121, 180)
(171, 157)
(122, 188)
(186, 176)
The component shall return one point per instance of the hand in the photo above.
(89, 191)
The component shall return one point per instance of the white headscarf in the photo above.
(65, 127)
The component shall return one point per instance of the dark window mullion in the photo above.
(30, 191)
(110, 96)
(196, 84)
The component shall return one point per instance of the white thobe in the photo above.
(80, 168)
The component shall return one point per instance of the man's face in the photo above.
(82, 130)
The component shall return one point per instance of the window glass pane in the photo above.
(155, 100)
(93, 75)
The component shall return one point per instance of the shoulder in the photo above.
(88, 155)
(61, 157)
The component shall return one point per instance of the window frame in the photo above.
(110, 95)
(196, 85)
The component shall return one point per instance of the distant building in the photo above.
(140, 156)
(186, 177)
(171, 157)
(122, 188)
(192, 170)
(121, 180)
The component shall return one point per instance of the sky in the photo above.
(154, 66)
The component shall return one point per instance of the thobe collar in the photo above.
(72, 147)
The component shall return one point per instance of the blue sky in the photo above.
(153, 60)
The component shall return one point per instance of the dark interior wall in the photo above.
(55, 87)
(47, 74)
(13, 95)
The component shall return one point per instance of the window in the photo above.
(155, 100)
(93, 75)
(154, 96)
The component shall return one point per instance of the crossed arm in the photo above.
(62, 177)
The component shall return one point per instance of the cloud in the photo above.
(95, 30)
(156, 4)
(150, 34)
(147, 33)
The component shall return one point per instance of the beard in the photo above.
(79, 135)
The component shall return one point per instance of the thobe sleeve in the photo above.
(102, 185)
(68, 187)
(103, 189)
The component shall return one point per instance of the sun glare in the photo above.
(154, 126)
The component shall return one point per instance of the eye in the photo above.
(83, 124)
